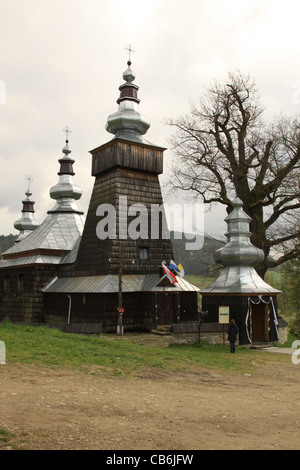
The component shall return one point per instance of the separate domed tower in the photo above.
(238, 250)
(251, 301)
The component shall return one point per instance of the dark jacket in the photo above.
(232, 331)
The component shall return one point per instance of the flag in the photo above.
(181, 270)
(173, 266)
(169, 275)
(178, 269)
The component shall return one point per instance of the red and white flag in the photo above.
(169, 275)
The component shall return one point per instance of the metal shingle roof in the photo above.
(110, 284)
(27, 260)
(239, 280)
(59, 231)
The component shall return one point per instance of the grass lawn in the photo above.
(53, 348)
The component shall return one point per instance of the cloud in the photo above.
(62, 63)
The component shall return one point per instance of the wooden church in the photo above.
(106, 268)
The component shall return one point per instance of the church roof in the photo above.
(110, 284)
(59, 232)
(29, 260)
(239, 280)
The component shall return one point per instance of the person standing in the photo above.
(232, 331)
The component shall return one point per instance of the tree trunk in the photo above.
(259, 238)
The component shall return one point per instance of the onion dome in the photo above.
(65, 192)
(27, 223)
(127, 123)
(238, 258)
(238, 249)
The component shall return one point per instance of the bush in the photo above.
(289, 300)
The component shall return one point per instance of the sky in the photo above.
(62, 63)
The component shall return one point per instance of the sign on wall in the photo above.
(224, 314)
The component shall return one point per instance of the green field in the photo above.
(53, 348)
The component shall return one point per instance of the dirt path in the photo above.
(199, 409)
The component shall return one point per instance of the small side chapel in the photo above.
(250, 301)
(62, 272)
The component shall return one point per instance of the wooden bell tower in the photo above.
(126, 204)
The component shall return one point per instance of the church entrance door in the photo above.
(166, 309)
(260, 330)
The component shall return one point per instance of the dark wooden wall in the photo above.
(21, 297)
(139, 307)
(97, 256)
(100, 308)
(129, 155)
(238, 311)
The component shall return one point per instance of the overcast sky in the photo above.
(62, 63)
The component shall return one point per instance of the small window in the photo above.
(6, 284)
(143, 253)
(84, 299)
(129, 148)
(20, 286)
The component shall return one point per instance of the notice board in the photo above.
(224, 314)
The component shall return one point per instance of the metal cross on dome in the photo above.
(67, 131)
(29, 179)
(130, 51)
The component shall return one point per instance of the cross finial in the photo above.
(29, 179)
(67, 131)
(130, 51)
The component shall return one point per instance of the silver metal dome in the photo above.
(27, 223)
(127, 123)
(238, 250)
(239, 256)
(65, 192)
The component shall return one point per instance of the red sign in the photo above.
(121, 310)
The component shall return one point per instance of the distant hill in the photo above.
(196, 262)
(6, 241)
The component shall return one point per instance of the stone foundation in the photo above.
(188, 333)
(212, 333)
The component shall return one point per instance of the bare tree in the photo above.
(224, 149)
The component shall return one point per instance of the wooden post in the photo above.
(178, 307)
(155, 311)
(69, 309)
(120, 329)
